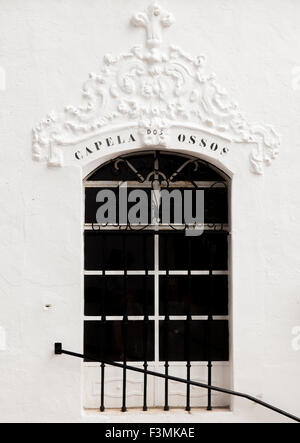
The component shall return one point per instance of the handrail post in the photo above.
(58, 348)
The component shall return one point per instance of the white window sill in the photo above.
(157, 415)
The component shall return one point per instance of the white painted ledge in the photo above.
(157, 415)
(197, 415)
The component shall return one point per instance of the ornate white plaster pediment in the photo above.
(152, 87)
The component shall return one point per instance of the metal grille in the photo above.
(153, 294)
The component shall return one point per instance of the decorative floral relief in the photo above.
(155, 131)
(153, 86)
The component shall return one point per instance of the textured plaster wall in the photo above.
(46, 50)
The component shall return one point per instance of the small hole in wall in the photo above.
(47, 307)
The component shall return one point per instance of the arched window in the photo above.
(156, 286)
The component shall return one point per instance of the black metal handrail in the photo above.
(58, 350)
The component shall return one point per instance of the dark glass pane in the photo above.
(104, 295)
(173, 195)
(107, 251)
(124, 170)
(210, 251)
(207, 251)
(208, 295)
(194, 170)
(207, 341)
(109, 172)
(93, 251)
(143, 164)
(105, 340)
(215, 205)
(169, 164)
(173, 251)
(91, 205)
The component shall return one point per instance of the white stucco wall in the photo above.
(46, 50)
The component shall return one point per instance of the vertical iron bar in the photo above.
(102, 407)
(146, 320)
(210, 320)
(188, 328)
(103, 321)
(166, 327)
(124, 323)
(209, 366)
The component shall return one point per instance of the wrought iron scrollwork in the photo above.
(190, 173)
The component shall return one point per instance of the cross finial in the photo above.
(153, 20)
